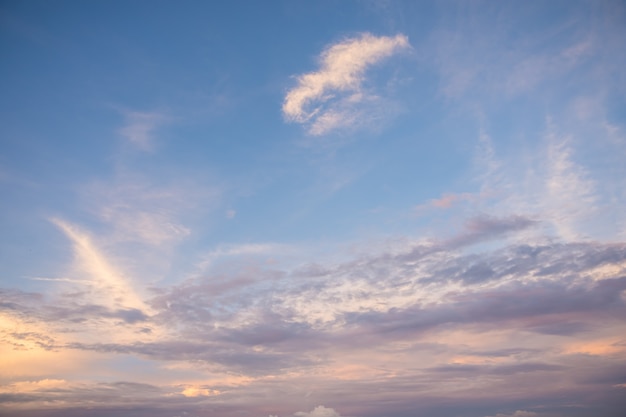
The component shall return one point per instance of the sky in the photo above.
(312, 208)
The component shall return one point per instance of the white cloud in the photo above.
(103, 275)
(319, 411)
(553, 185)
(192, 391)
(333, 97)
(140, 126)
(139, 211)
(153, 227)
(142, 222)
(570, 193)
(518, 413)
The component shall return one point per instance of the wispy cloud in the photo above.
(485, 59)
(446, 201)
(111, 286)
(140, 127)
(140, 211)
(569, 194)
(551, 183)
(334, 97)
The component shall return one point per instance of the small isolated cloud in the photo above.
(319, 411)
(333, 97)
(140, 126)
(518, 413)
(199, 392)
(447, 201)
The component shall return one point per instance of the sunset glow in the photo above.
(369, 208)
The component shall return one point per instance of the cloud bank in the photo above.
(407, 326)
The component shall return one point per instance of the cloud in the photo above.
(234, 252)
(474, 324)
(319, 411)
(526, 287)
(447, 200)
(517, 304)
(557, 185)
(140, 126)
(484, 227)
(141, 212)
(198, 392)
(570, 194)
(481, 56)
(92, 263)
(34, 386)
(334, 96)
(68, 394)
(140, 223)
(461, 313)
(518, 413)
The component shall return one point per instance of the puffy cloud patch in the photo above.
(198, 392)
(319, 411)
(334, 97)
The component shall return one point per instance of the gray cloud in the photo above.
(483, 227)
(252, 325)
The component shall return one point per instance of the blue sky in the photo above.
(313, 209)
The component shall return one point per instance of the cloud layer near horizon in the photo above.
(421, 317)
